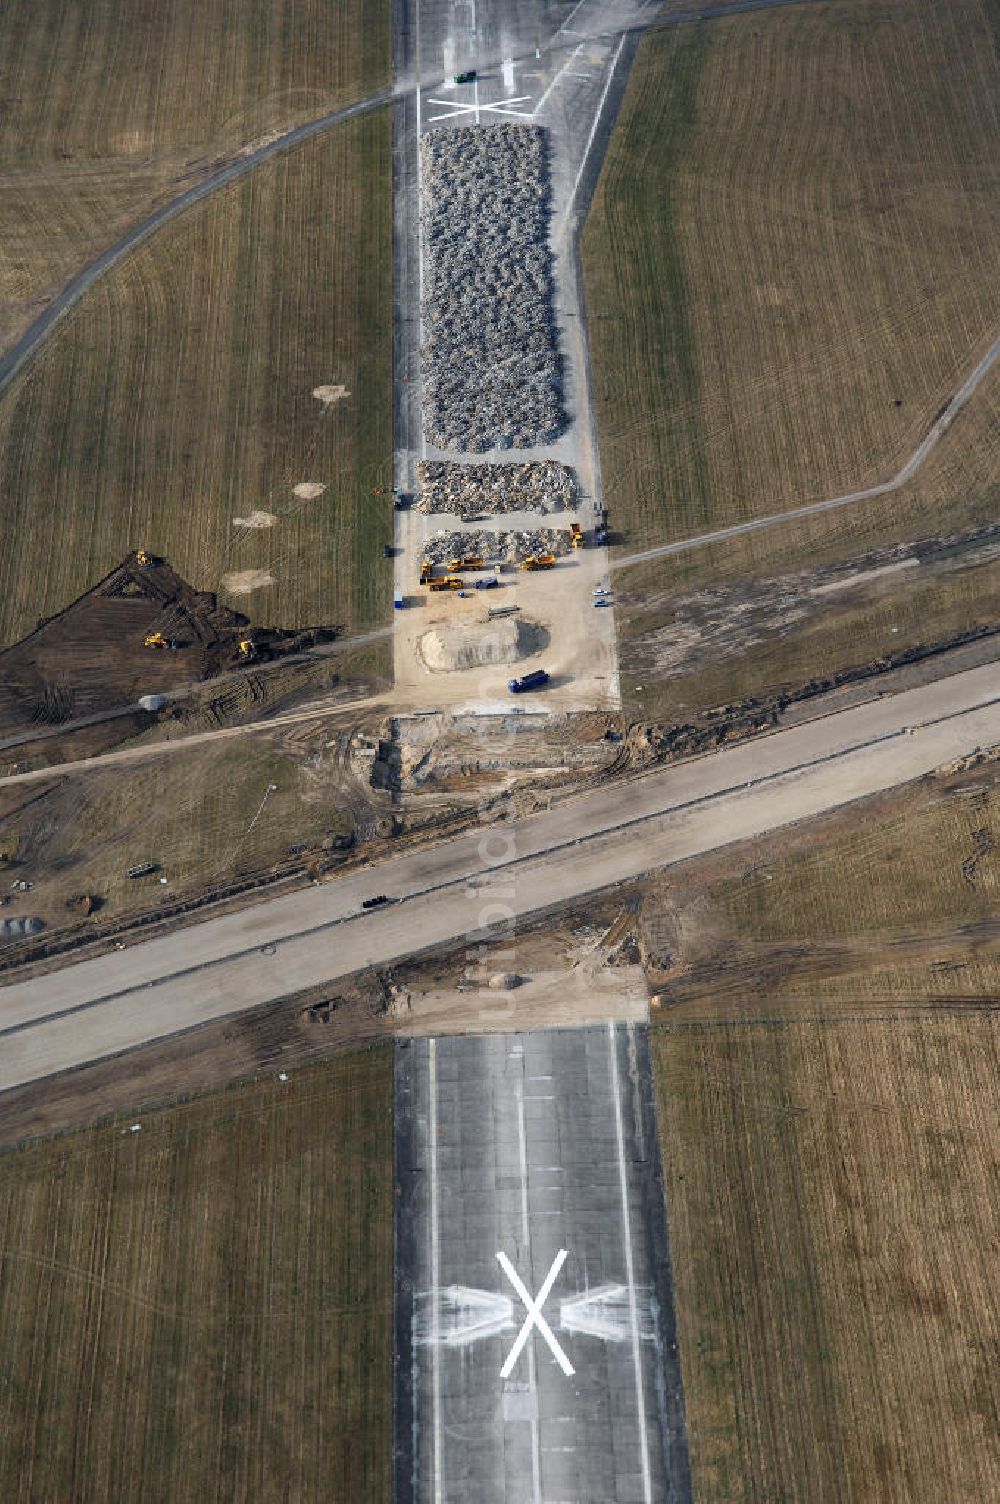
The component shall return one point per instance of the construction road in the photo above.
(463, 886)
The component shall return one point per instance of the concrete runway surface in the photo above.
(460, 887)
(541, 1149)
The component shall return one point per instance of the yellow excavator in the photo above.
(247, 648)
(155, 640)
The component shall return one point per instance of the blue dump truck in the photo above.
(397, 600)
(529, 681)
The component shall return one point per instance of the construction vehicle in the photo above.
(465, 78)
(495, 611)
(447, 582)
(247, 648)
(143, 558)
(426, 570)
(576, 535)
(490, 583)
(398, 601)
(528, 681)
(474, 561)
(538, 561)
(155, 640)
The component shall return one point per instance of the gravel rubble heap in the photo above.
(511, 546)
(492, 373)
(540, 486)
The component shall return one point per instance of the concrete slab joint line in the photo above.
(550, 1194)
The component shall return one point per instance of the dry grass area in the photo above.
(912, 901)
(111, 106)
(832, 1198)
(178, 397)
(827, 1055)
(203, 1309)
(792, 258)
(693, 651)
(892, 904)
(955, 495)
(211, 815)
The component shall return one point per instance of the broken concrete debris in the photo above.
(540, 485)
(492, 372)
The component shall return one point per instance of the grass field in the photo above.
(831, 1190)
(792, 257)
(897, 904)
(177, 399)
(827, 1068)
(914, 899)
(697, 650)
(203, 1309)
(208, 815)
(109, 106)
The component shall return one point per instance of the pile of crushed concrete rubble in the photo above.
(539, 486)
(492, 373)
(499, 546)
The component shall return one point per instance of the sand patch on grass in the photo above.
(243, 581)
(256, 520)
(308, 490)
(330, 394)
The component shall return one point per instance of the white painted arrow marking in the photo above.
(534, 1316)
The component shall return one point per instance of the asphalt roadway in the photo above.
(465, 886)
(539, 1149)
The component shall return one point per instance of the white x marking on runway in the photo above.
(534, 1316)
(501, 107)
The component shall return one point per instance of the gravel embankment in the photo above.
(492, 372)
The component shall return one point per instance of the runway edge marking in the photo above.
(647, 1484)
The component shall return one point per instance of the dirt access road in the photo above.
(461, 887)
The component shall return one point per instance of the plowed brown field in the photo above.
(203, 1309)
(832, 1199)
